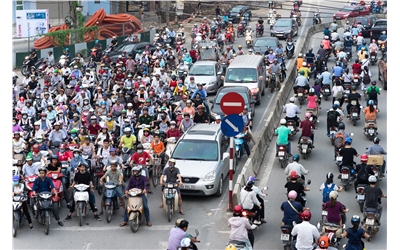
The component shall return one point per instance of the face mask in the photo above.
(76, 118)
(103, 106)
(165, 91)
(108, 118)
(128, 135)
(76, 155)
(14, 123)
(180, 85)
(93, 122)
(73, 135)
(172, 126)
(140, 151)
(62, 150)
(86, 103)
(15, 182)
(187, 118)
(43, 118)
(24, 116)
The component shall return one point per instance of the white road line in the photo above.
(108, 228)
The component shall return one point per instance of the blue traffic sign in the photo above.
(232, 125)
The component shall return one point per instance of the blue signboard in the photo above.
(232, 125)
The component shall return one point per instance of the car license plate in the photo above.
(285, 236)
(360, 197)
(326, 90)
(324, 212)
(170, 185)
(304, 146)
(345, 176)
(369, 222)
(300, 94)
(281, 153)
(355, 114)
(279, 35)
(188, 186)
(339, 158)
(371, 131)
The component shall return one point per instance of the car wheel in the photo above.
(220, 187)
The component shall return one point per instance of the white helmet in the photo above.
(185, 242)
(300, 55)
(127, 130)
(372, 179)
(311, 90)
(304, 64)
(283, 121)
(326, 37)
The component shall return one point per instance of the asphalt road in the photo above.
(208, 214)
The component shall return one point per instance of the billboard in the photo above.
(32, 22)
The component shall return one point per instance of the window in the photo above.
(97, 2)
(19, 5)
(223, 145)
(196, 150)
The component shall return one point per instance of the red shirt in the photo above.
(140, 158)
(306, 126)
(174, 133)
(94, 130)
(173, 83)
(119, 77)
(356, 68)
(101, 71)
(63, 156)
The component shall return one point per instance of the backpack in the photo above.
(373, 94)
(326, 191)
(362, 173)
(339, 95)
(331, 117)
(339, 139)
(366, 78)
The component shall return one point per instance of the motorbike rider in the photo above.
(332, 118)
(353, 96)
(140, 157)
(276, 69)
(372, 93)
(283, 133)
(301, 82)
(356, 67)
(306, 128)
(355, 234)
(377, 149)
(260, 21)
(248, 122)
(291, 209)
(382, 38)
(115, 176)
(249, 201)
(294, 184)
(328, 184)
(19, 189)
(83, 177)
(373, 195)
(370, 115)
(363, 171)
(172, 174)
(360, 40)
(45, 184)
(333, 26)
(177, 236)
(305, 69)
(334, 208)
(306, 233)
(334, 37)
(348, 153)
(239, 226)
(295, 166)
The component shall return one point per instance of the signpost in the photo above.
(232, 105)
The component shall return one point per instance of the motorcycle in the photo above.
(305, 146)
(126, 157)
(346, 92)
(29, 181)
(283, 156)
(182, 35)
(239, 146)
(354, 117)
(289, 50)
(98, 172)
(316, 19)
(142, 126)
(58, 184)
(297, 19)
(18, 215)
(325, 227)
(377, 168)
(81, 198)
(240, 245)
(135, 208)
(361, 196)
(354, 39)
(347, 176)
(373, 58)
(348, 53)
(332, 132)
(370, 224)
(249, 40)
(286, 236)
(326, 91)
(273, 82)
(170, 198)
(43, 209)
(356, 79)
(111, 202)
(291, 124)
(300, 96)
(240, 30)
(259, 30)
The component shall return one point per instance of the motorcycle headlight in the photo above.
(210, 176)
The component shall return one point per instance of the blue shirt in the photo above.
(202, 92)
(45, 185)
(363, 46)
(44, 147)
(382, 38)
(337, 71)
(77, 73)
(171, 33)
(326, 77)
(289, 215)
(354, 31)
(75, 161)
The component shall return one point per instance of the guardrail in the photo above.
(258, 152)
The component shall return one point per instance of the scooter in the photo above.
(110, 200)
(373, 58)
(272, 82)
(240, 245)
(316, 19)
(289, 50)
(29, 181)
(291, 124)
(354, 117)
(240, 30)
(170, 198)
(126, 157)
(370, 223)
(98, 172)
(286, 236)
(283, 156)
(325, 227)
(43, 209)
(259, 30)
(18, 215)
(326, 91)
(81, 198)
(58, 184)
(377, 169)
(347, 176)
(135, 208)
(239, 146)
(300, 96)
(249, 41)
(356, 79)
(361, 196)
(371, 132)
(305, 146)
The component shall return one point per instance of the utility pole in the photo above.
(167, 12)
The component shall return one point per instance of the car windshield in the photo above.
(196, 150)
(236, 9)
(283, 23)
(346, 10)
(265, 43)
(202, 70)
(363, 21)
(223, 92)
(241, 75)
(126, 47)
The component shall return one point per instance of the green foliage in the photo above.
(61, 36)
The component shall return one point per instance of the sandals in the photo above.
(123, 224)
(181, 212)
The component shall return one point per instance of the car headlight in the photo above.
(211, 83)
(288, 31)
(210, 176)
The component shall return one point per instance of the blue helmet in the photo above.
(296, 157)
(96, 41)
(371, 102)
(348, 140)
(66, 49)
(355, 220)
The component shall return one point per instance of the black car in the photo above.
(366, 22)
(263, 43)
(130, 48)
(284, 27)
(232, 14)
(242, 90)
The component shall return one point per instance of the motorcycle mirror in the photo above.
(351, 134)
(265, 188)
(196, 232)
(165, 179)
(308, 182)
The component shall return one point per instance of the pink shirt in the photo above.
(312, 102)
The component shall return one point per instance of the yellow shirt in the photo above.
(306, 71)
(128, 142)
(110, 125)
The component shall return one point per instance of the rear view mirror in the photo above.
(196, 232)
(351, 134)
(308, 182)
(265, 188)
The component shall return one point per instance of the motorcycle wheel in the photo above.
(345, 187)
(99, 188)
(135, 224)
(369, 232)
(283, 163)
(169, 212)
(108, 214)
(125, 174)
(354, 122)
(154, 178)
(47, 224)
(15, 227)
(305, 156)
(25, 70)
(80, 215)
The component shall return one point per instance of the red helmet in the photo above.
(35, 146)
(63, 146)
(200, 107)
(238, 209)
(21, 99)
(184, 97)
(305, 215)
(151, 93)
(360, 34)
(43, 115)
(364, 158)
(293, 175)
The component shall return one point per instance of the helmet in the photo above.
(323, 241)
(372, 179)
(292, 99)
(341, 126)
(239, 46)
(185, 242)
(42, 169)
(355, 220)
(300, 55)
(230, 247)
(114, 163)
(333, 194)
(296, 157)
(364, 158)
(252, 178)
(311, 90)
(348, 141)
(136, 168)
(329, 175)
(304, 64)
(302, 72)
(307, 115)
(356, 60)
(305, 215)
(353, 87)
(283, 122)
(249, 184)
(371, 102)
(377, 140)
(293, 175)
(363, 48)
(292, 194)
(29, 158)
(140, 146)
(127, 130)
(238, 209)
(326, 37)
(332, 238)
(15, 178)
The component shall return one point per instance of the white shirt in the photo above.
(294, 166)
(65, 71)
(364, 62)
(306, 235)
(336, 89)
(291, 110)
(341, 113)
(329, 186)
(259, 193)
(334, 36)
(248, 199)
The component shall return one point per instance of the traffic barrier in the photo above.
(266, 136)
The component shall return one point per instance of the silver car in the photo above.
(202, 156)
(206, 73)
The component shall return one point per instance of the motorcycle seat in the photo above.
(237, 243)
(329, 224)
(371, 210)
(249, 214)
